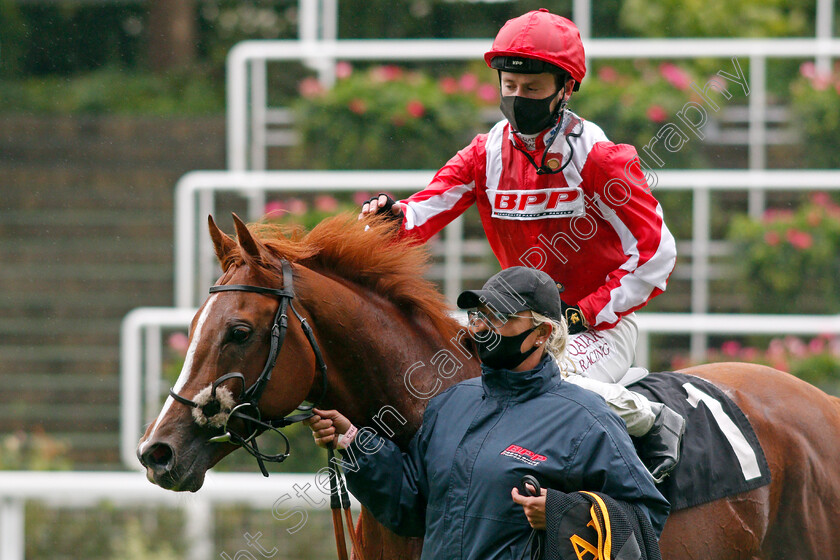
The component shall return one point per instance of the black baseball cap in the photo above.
(516, 289)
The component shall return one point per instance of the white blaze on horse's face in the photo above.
(184, 376)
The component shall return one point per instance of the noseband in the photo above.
(248, 408)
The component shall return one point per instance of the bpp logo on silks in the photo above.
(566, 202)
(525, 455)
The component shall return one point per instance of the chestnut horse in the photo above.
(389, 345)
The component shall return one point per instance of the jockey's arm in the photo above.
(448, 195)
(649, 247)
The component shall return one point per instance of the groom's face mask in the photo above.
(495, 350)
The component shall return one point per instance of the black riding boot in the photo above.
(659, 449)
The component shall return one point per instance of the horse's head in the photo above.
(232, 332)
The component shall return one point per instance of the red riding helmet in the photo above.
(533, 42)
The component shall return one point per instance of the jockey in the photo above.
(555, 194)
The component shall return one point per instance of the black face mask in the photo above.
(526, 115)
(505, 353)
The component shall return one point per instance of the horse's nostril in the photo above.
(159, 457)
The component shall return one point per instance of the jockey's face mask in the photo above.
(528, 115)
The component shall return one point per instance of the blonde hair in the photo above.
(556, 344)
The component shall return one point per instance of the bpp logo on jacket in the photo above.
(525, 455)
(566, 202)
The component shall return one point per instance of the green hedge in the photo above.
(789, 261)
(816, 111)
(388, 118)
(114, 91)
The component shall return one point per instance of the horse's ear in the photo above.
(246, 241)
(221, 242)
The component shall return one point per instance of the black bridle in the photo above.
(248, 408)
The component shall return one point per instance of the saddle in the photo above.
(721, 454)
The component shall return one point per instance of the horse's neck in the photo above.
(383, 366)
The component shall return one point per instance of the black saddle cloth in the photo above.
(721, 454)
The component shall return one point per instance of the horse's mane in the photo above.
(367, 254)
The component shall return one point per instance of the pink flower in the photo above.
(773, 214)
(730, 348)
(749, 354)
(776, 349)
(824, 200)
(795, 346)
(360, 197)
(799, 239)
(834, 346)
(387, 73)
(821, 198)
(675, 75)
(468, 82)
(679, 362)
(297, 207)
(780, 364)
(310, 87)
(607, 74)
(326, 203)
(488, 93)
(415, 108)
(179, 342)
(772, 238)
(817, 345)
(808, 70)
(656, 113)
(814, 217)
(448, 85)
(274, 208)
(358, 106)
(820, 82)
(343, 69)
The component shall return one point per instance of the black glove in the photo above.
(574, 318)
(387, 209)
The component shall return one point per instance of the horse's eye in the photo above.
(239, 334)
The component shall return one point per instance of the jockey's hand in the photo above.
(326, 424)
(533, 506)
(383, 204)
(574, 318)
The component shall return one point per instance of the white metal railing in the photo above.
(141, 376)
(727, 324)
(324, 13)
(247, 76)
(131, 489)
(140, 370)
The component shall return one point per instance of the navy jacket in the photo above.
(477, 440)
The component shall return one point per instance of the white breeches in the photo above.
(600, 361)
